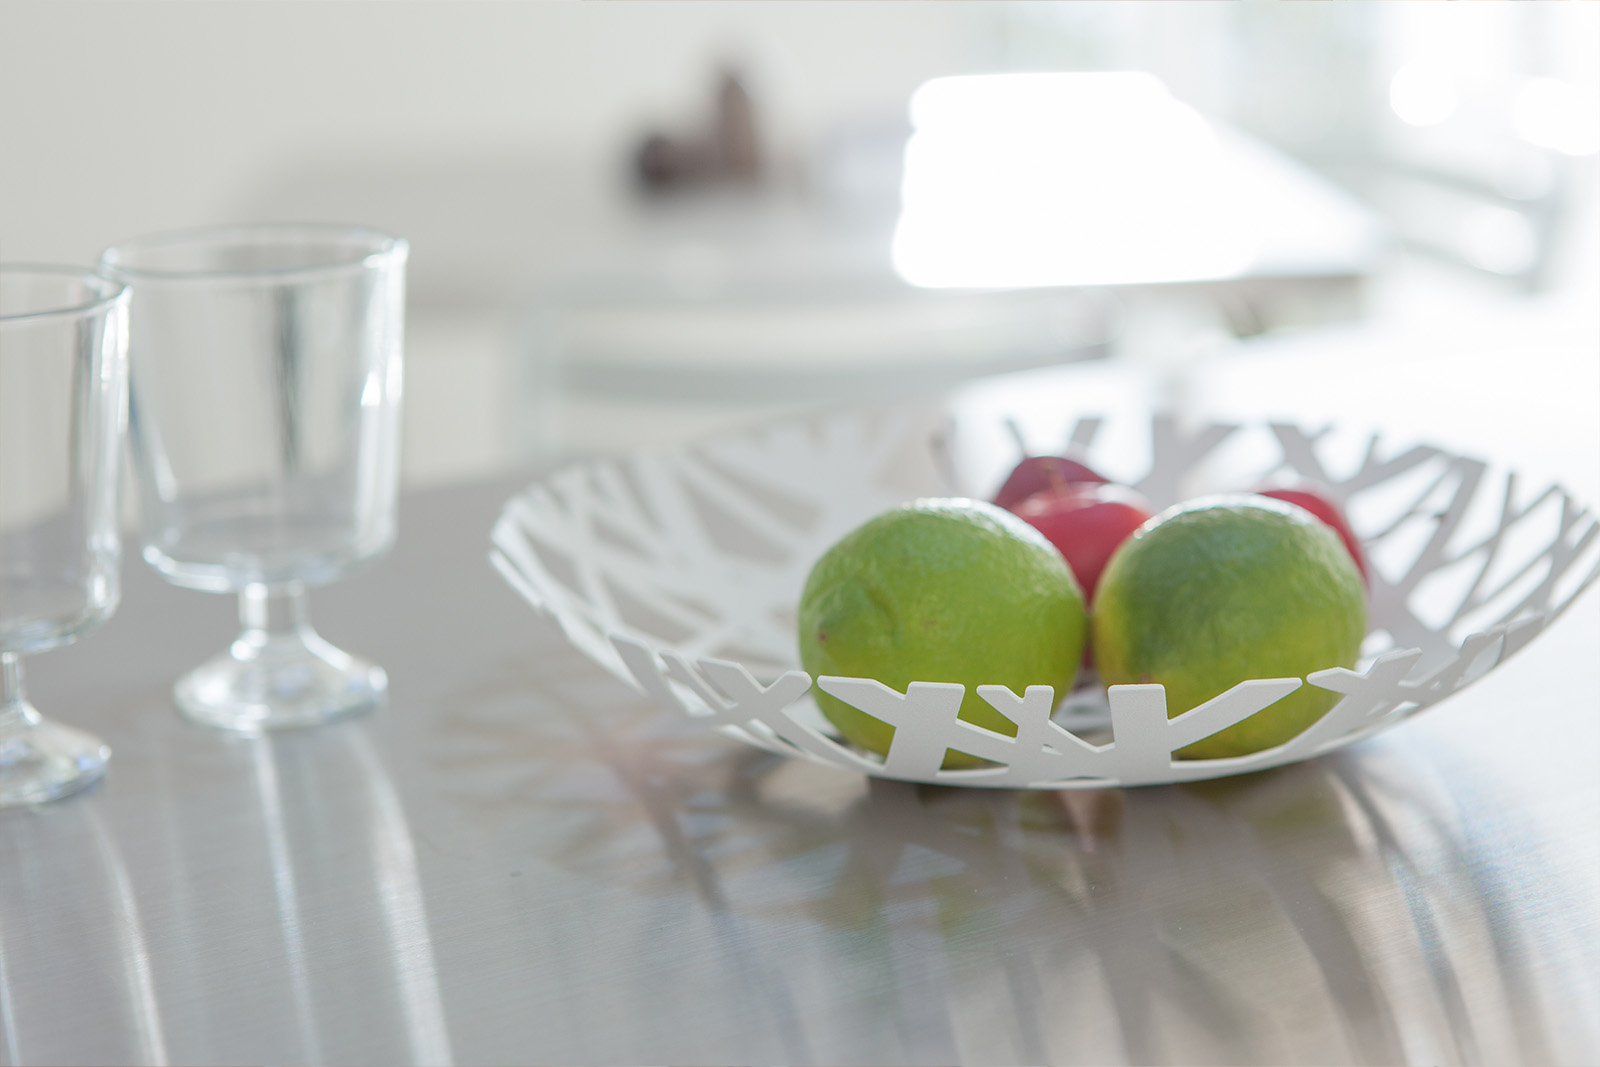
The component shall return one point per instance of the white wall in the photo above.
(492, 134)
(124, 117)
(432, 117)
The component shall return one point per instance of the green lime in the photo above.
(1225, 588)
(941, 591)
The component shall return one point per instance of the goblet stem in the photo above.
(279, 673)
(272, 615)
(40, 760)
(16, 714)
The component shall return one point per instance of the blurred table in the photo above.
(724, 333)
(522, 861)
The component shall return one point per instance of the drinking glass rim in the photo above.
(380, 246)
(115, 291)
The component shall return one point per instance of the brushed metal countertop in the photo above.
(470, 876)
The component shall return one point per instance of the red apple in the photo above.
(1038, 473)
(1086, 522)
(1328, 512)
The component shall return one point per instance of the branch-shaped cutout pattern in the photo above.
(715, 541)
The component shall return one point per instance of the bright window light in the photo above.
(1015, 180)
(1556, 115)
(1423, 94)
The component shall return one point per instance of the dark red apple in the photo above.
(1086, 522)
(1328, 512)
(1038, 473)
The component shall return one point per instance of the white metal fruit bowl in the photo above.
(679, 570)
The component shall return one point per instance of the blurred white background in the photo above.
(501, 138)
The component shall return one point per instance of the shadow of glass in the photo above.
(344, 873)
(301, 937)
(67, 902)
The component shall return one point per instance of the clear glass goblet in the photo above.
(63, 410)
(264, 427)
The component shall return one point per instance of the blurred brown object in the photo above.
(730, 152)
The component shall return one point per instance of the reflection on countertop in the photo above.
(1360, 908)
(210, 933)
(520, 859)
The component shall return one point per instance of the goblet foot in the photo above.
(284, 684)
(46, 761)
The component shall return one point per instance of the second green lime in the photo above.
(1226, 588)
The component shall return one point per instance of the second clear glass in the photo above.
(264, 426)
